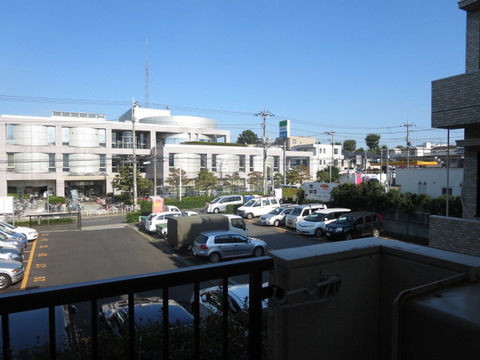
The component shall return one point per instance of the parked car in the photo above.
(30, 233)
(166, 208)
(314, 224)
(276, 217)
(14, 235)
(113, 316)
(257, 207)
(211, 299)
(150, 224)
(219, 204)
(10, 254)
(354, 225)
(161, 226)
(218, 245)
(11, 272)
(8, 242)
(300, 211)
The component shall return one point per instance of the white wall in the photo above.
(429, 181)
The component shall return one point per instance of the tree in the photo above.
(303, 174)
(232, 181)
(174, 178)
(123, 181)
(206, 181)
(255, 178)
(324, 175)
(349, 145)
(248, 137)
(277, 179)
(298, 175)
(372, 141)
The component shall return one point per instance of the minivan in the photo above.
(219, 204)
(314, 224)
(300, 211)
(354, 225)
(257, 207)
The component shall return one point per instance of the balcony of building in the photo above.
(361, 299)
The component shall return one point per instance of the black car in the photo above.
(354, 225)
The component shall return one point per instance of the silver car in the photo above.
(10, 254)
(217, 245)
(276, 217)
(7, 242)
(11, 272)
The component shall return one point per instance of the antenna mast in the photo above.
(146, 73)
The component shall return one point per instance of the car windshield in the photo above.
(7, 225)
(250, 202)
(276, 211)
(315, 217)
(346, 219)
(201, 239)
(216, 200)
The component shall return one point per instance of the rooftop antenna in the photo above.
(146, 73)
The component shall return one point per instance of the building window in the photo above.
(444, 191)
(103, 167)
(10, 130)
(51, 135)
(241, 162)
(171, 161)
(65, 135)
(335, 151)
(11, 162)
(102, 137)
(276, 163)
(203, 161)
(252, 167)
(66, 162)
(214, 162)
(51, 162)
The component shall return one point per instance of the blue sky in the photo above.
(351, 67)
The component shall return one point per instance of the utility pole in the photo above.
(134, 159)
(331, 133)
(408, 125)
(264, 114)
(155, 171)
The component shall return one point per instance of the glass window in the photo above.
(241, 162)
(203, 161)
(171, 160)
(65, 135)
(66, 162)
(102, 137)
(103, 167)
(214, 162)
(11, 161)
(51, 135)
(222, 239)
(51, 162)
(10, 131)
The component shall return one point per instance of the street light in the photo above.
(331, 133)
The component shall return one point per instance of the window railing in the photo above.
(91, 292)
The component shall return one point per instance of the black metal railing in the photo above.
(92, 292)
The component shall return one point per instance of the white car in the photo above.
(151, 222)
(314, 224)
(30, 233)
(211, 299)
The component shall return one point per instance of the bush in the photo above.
(54, 200)
(133, 217)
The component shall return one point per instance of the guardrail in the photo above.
(92, 292)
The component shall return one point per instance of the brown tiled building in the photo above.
(455, 105)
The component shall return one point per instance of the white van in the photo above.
(257, 207)
(151, 222)
(300, 211)
(219, 204)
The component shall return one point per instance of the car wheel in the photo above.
(249, 215)
(216, 211)
(258, 251)
(5, 281)
(376, 232)
(276, 223)
(318, 232)
(348, 236)
(214, 257)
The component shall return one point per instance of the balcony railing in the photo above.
(92, 292)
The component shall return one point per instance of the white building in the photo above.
(431, 182)
(83, 151)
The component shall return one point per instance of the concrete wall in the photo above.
(429, 181)
(350, 319)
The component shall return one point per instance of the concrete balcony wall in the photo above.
(455, 101)
(350, 319)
